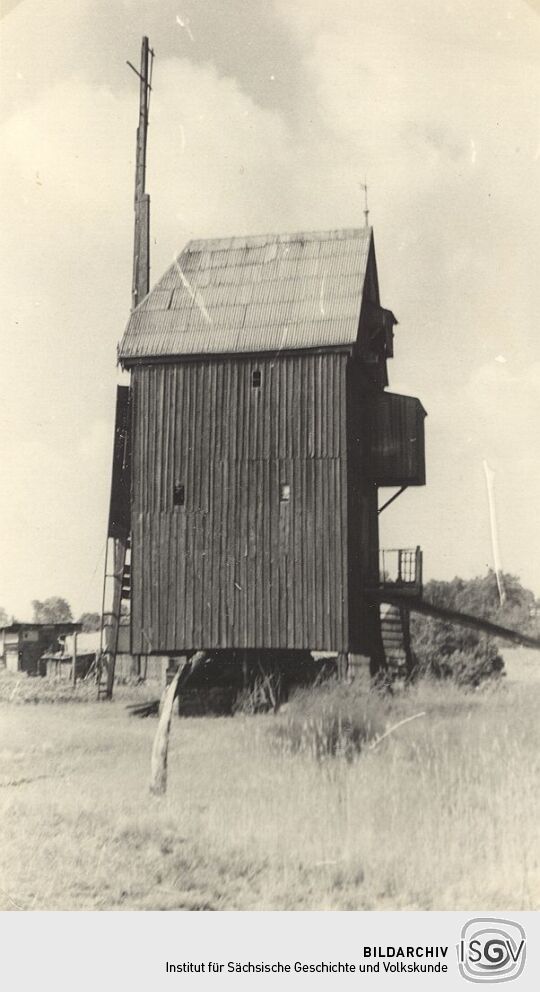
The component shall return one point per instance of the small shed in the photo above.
(59, 664)
(22, 645)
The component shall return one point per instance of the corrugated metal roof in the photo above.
(263, 293)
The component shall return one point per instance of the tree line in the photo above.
(55, 609)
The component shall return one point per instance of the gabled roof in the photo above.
(254, 294)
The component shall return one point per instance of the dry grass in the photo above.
(440, 816)
(18, 689)
(333, 720)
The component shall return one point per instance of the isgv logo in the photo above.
(491, 950)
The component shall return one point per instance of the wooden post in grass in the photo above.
(74, 673)
(342, 663)
(160, 749)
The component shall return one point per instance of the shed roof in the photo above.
(17, 626)
(254, 294)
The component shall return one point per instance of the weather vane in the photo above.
(364, 186)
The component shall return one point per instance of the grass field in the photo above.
(441, 815)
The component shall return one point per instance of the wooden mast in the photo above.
(141, 245)
(117, 579)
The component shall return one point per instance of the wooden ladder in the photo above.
(116, 592)
(117, 574)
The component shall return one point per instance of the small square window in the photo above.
(179, 494)
(284, 492)
(256, 379)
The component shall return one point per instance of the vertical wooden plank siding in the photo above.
(363, 527)
(236, 566)
(397, 441)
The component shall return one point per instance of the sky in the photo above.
(267, 117)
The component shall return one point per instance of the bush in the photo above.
(330, 720)
(446, 651)
(466, 668)
(467, 656)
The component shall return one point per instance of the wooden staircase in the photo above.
(396, 641)
(399, 594)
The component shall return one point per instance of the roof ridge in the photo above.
(260, 240)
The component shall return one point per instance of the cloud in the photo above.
(507, 428)
(216, 159)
